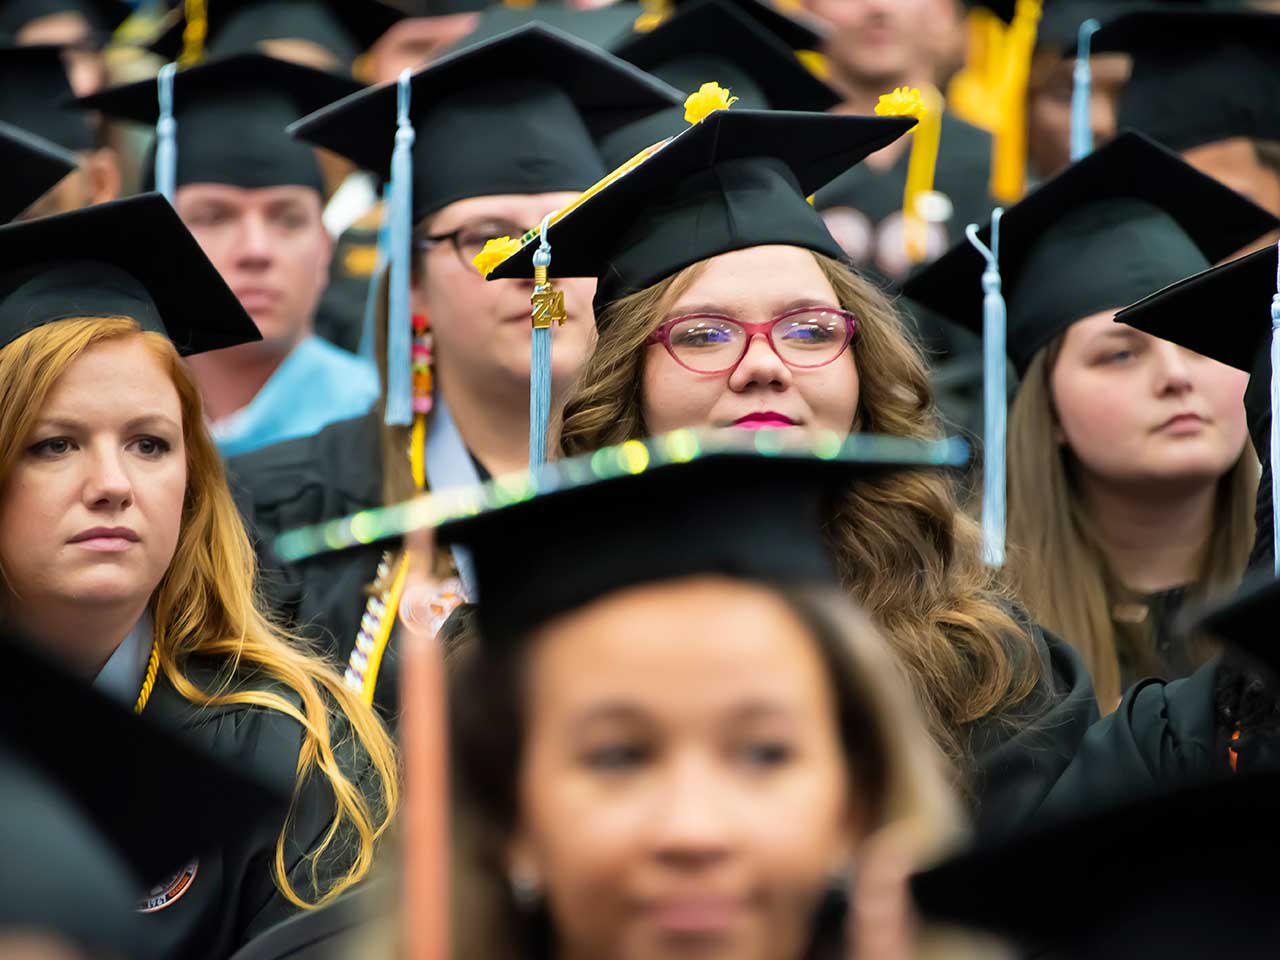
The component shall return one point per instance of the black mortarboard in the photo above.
(34, 91)
(797, 32)
(712, 40)
(130, 258)
(1199, 76)
(736, 179)
(124, 771)
(604, 27)
(1060, 20)
(231, 117)
(550, 540)
(103, 16)
(1004, 9)
(59, 877)
(1247, 621)
(346, 28)
(34, 165)
(521, 113)
(1128, 219)
(1185, 875)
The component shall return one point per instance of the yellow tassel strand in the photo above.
(1009, 152)
(149, 679)
(709, 98)
(194, 33)
(656, 12)
(816, 63)
(926, 107)
(495, 251)
(972, 94)
(417, 451)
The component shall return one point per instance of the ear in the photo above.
(102, 175)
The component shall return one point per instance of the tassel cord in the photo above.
(540, 361)
(1275, 421)
(994, 396)
(399, 388)
(166, 167)
(1082, 93)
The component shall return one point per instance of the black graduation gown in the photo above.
(330, 474)
(225, 897)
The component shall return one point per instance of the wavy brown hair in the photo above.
(1069, 588)
(904, 549)
(206, 609)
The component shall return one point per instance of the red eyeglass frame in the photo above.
(662, 335)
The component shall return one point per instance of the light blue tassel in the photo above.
(166, 171)
(540, 367)
(994, 395)
(1275, 420)
(1081, 82)
(365, 349)
(400, 236)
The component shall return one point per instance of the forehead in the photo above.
(765, 278)
(242, 198)
(121, 378)
(527, 210)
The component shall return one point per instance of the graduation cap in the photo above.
(346, 28)
(231, 116)
(799, 32)
(1199, 75)
(102, 16)
(1244, 295)
(130, 258)
(1127, 220)
(1182, 875)
(34, 95)
(736, 179)
(521, 113)
(122, 771)
(603, 27)
(646, 510)
(34, 166)
(714, 40)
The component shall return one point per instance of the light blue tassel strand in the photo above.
(166, 171)
(1275, 420)
(366, 348)
(1081, 82)
(399, 384)
(994, 395)
(540, 362)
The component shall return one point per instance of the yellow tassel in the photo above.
(194, 33)
(921, 166)
(655, 14)
(902, 102)
(973, 93)
(418, 451)
(709, 98)
(1009, 152)
(815, 62)
(495, 251)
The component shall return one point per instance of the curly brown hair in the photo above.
(904, 548)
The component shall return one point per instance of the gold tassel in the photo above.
(418, 451)
(1009, 152)
(194, 33)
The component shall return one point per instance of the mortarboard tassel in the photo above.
(548, 306)
(1009, 151)
(166, 172)
(926, 107)
(971, 92)
(1275, 418)
(399, 401)
(995, 395)
(1081, 94)
(194, 33)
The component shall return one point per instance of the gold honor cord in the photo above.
(148, 679)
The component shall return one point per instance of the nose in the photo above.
(108, 485)
(1173, 370)
(256, 248)
(691, 824)
(760, 367)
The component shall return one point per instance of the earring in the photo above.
(525, 888)
(422, 380)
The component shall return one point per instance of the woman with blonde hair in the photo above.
(1131, 481)
(725, 303)
(682, 737)
(122, 554)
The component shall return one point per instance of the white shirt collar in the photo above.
(121, 676)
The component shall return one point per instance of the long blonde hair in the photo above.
(905, 550)
(1060, 570)
(206, 606)
(885, 746)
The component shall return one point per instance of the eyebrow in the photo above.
(797, 304)
(137, 423)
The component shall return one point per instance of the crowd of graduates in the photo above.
(599, 480)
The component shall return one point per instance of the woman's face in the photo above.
(753, 285)
(683, 790)
(1138, 410)
(91, 511)
(482, 330)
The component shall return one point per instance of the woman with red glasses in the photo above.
(723, 302)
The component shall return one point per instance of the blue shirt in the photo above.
(316, 385)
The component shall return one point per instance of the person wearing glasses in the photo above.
(496, 149)
(253, 197)
(724, 303)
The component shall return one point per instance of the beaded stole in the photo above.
(378, 622)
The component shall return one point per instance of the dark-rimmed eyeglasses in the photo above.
(469, 239)
(712, 343)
